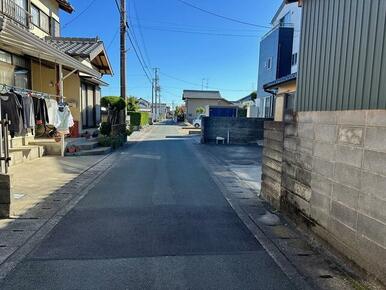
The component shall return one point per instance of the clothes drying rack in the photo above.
(33, 94)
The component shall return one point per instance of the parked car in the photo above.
(197, 121)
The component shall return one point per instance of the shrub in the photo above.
(104, 141)
(132, 104)
(138, 118)
(114, 142)
(113, 102)
(242, 113)
(105, 128)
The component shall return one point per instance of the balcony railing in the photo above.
(15, 12)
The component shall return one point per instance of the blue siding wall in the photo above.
(277, 45)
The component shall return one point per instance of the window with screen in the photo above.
(55, 28)
(44, 22)
(35, 14)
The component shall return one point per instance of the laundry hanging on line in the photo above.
(64, 119)
(13, 109)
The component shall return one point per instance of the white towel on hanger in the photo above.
(52, 108)
(64, 120)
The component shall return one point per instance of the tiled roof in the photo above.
(65, 5)
(91, 48)
(75, 46)
(196, 94)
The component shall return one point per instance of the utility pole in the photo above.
(204, 80)
(123, 21)
(152, 100)
(156, 93)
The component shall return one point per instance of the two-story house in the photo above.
(279, 53)
(33, 56)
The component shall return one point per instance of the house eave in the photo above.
(29, 44)
(65, 6)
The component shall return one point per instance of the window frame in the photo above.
(268, 63)
(38, 15)
(294, 60)
(48, 22)
(54, 27)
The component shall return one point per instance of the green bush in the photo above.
(138, 118)
(113, 102)
(104, 141)
(114, 142)
(105, 128)
(242, 113)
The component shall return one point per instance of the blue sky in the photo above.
(228, 62)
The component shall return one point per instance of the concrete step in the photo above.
(20, 141)
(21, 154)
(94, 151)
(16, 158)
(86, 145)
(51, 147)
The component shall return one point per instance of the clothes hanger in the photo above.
(3, 89)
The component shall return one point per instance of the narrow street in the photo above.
(156, 220)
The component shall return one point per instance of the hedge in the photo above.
(138, 118)
(113, 102)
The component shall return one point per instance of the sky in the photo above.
(186, 44)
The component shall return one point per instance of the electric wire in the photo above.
(78, 15)
(140, 33)
(198, 32)
(113, 39)
(143, 66)
(200, 85)
(221, 16)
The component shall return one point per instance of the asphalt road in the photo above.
(155, 221)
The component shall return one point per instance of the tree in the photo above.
(253, 96)
(200, 110)
(132, 104)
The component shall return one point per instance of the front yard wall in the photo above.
(334, 175)
(241, 130)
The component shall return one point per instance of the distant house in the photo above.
(195, 99)
(248, 103)
(160, 110)
(279, 53)
(144, 105)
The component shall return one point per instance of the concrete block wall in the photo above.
(334, 175)
(272, 162)
(241, 130)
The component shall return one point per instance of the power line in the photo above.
(139, 48)
(132, 44)
(80, 14)
(200, 85)
(118, 6)
(197, 32)
(221, 16)
(138, 57)
(112, 40)
(189, 26)
(140, 33)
